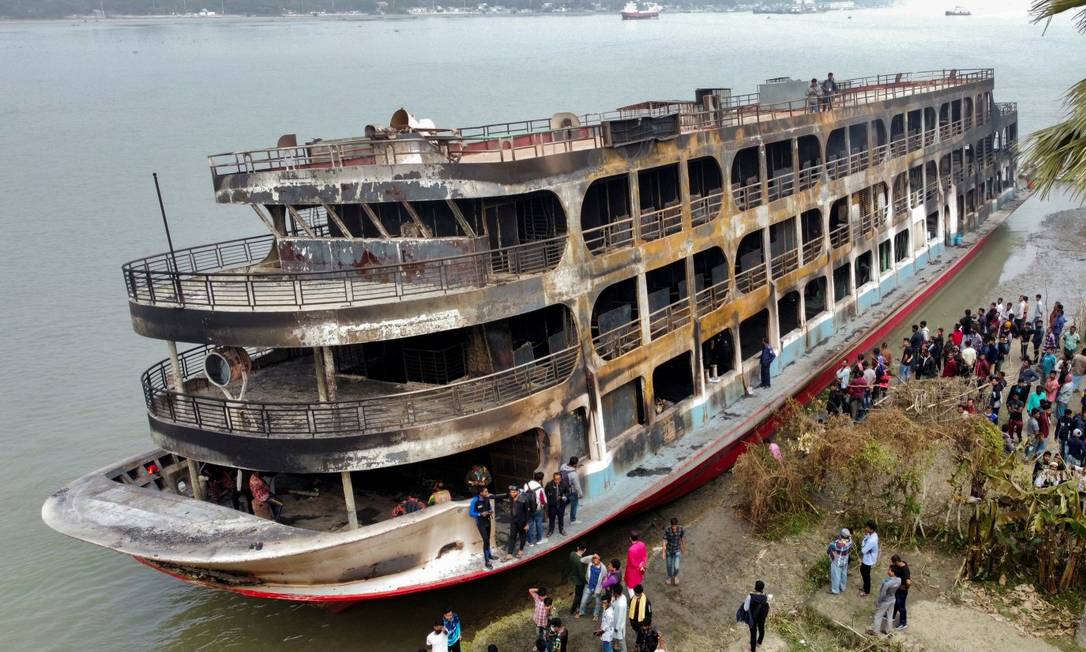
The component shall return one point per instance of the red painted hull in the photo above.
(759, 425)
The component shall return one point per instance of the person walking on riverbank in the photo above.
(869, 552)
(575, 574)
(619, 604)
(884, 604)
(674, 546)
(593, 585)
(637, 561)
(606, 632)
(839, 551)
(904, 573)
(640, 615)
(450, 622)
(755, 610)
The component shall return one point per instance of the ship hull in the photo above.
(694, 472)
(640, 15)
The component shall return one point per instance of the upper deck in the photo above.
(282, 175)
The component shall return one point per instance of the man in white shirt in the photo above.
(869, 551)
(606, 632)
(925, 332)
(620, 607)
(844, 374)
(1039, 310)
(438, 640)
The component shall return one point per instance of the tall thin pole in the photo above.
(165, 223)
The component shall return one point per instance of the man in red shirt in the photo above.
(982, 369)
(857, 389)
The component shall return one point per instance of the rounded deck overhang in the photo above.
(368, 433)
(175, 297)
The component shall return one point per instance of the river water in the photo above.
(90, 109)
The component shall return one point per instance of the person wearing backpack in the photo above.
(569, 474)
(754, 612)
(537, 509)
(765, 360)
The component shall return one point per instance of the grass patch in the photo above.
(791, 525)
(806, 629)
(818, 575)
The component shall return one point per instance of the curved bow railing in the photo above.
(213, 276)
(364, 416)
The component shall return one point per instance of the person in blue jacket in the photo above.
(479, 509)
(766, 359)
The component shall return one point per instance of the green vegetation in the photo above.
(1058, 153)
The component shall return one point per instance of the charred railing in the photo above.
(812, 249)
(809, 176)
(782, 185)
(671, 317)
(747, 197)
(534, 138)
(751, 279)
(901, 208)
(610, 236)
(704, 209)
(839, 237)
(662, 222)
(785, 263)
(366, 416)
(618, 341)
(711, 298)
(208, 276)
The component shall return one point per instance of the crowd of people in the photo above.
(893, 593)
(1037, 413)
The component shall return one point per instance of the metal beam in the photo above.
(268, 222)
(416, 219)
(332, 215)
(300, 222)
(468, 231)
(375, 220)
(348, 499)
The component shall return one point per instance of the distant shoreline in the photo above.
(370, 17)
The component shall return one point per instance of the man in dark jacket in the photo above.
(557, 493)
(518, 528)
(575, 573)
(756, 610)
(766, 359)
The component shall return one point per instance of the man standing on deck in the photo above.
(829, 89)
(518, 528)
(557, 493)
(537, 509)
(479, 509)
(569, 474)
(766, 359)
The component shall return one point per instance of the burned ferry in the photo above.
(425, 299)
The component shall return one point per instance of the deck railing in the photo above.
(208, 276)
(809, 176)
(711, 298)
(747, 197)
(868, 223)
(611, 236)
(366, 416)
(661, 222)
(901, 207)
(618, 341)
(782, 185)
(785, 263)
(840, 236)
(533, 138)
(837, 168)
(812, 249)
(750, 279)
(704, 209)
(669, 318)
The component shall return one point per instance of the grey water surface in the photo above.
(88, 110)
